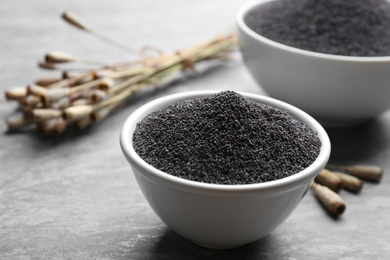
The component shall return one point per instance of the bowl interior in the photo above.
(249, 6)
(280, 185)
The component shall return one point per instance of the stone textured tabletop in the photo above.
(75, 197)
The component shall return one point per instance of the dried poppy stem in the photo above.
(62, 57)
(100, 114)
(330, 199)
(105, 82)
(72, 19)
(329, 179)
(350, 182)
(72, 81)
(116, 99)
(66, 100)
(131, 81)
(366, 172)
(168, 66)
(86, 85)
(165, 76)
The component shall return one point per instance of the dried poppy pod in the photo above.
(35, 90)
(97, 96)
(366, 172)
(17, 122)
(31, 101)
(350, 182)
(74, 20)
(52, 127)
(75, 113)
(48, 65)
(59, 57)
(53, 95)
(330, 199)
(16, 93)
(42, 114)
(329, 179)
(70, 74)
(60, 104)
(106, 83)
(76, 78)
(43, 82)
(79, 102)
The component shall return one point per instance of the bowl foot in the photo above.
(219, 247)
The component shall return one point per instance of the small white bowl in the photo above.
(336, 90)
(215, 215)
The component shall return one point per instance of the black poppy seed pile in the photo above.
(340, 27)
(225, 138)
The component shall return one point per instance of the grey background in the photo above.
(75, 197)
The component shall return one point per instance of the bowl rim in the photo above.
(158, 176)
(248, 6)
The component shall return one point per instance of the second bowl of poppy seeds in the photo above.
(330, 58)
(225, 138)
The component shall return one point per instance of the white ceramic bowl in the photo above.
(215, 215)
(336, 90)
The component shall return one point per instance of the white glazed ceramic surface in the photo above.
(213, 215)
(336, 90)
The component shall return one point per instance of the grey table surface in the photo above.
(75, 197)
